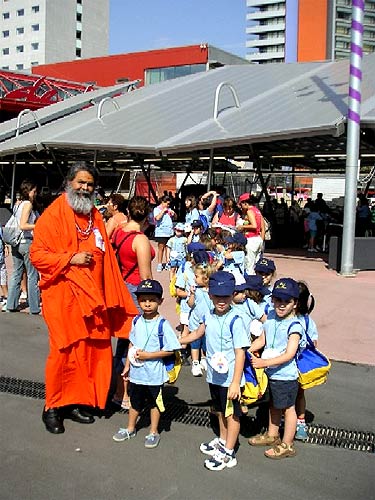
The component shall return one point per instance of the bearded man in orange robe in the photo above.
(85, 301)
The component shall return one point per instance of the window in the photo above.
(5, 67)
(19, 66)
(5, 33)
(34, 63)
(78, 52)
(35, 46)
(79, 17)
(160, 74)
(78, 35)
(20, 31)
(6, 15)
(35, 27)
(35, 9)
(6, 51)
(19, 48)
(20, 12)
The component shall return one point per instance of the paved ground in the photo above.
(84, 463)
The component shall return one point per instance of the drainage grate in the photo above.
(191, 415)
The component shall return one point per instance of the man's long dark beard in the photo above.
(81, 202)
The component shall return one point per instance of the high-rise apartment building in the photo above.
(46, 31)
(304, 30)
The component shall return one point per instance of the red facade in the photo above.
(106, 71)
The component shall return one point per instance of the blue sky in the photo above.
(138, 25)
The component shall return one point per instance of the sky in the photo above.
(140, 25)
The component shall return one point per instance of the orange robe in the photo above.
(82, 306)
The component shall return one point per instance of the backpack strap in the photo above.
(232, 323)
(160, 332)
(306, 318)
(136, 318)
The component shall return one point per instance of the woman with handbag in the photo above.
(134, 254)
(26, 215)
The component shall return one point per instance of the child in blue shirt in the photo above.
(234, 255)
(201, 305)
(144, 367)
(266, 268)
(281, 338)
(226, 343)
(176, 249)
(305, 306)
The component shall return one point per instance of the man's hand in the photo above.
(81, 259)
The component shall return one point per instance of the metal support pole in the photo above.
(353, 138)
(13, 192)
(210, 170)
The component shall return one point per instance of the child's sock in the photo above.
(301, 421)
(222, 442)
(227, 450)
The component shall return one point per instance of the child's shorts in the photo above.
(219, 396)
(176, 263)
(142, 395)
(283, 393)
(199, 344)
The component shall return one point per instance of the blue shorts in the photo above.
(283, 393)
(219, 396)
(199, 344)
(143, 395)
(176, 263)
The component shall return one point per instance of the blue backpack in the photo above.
(204, 221)
(173, 362)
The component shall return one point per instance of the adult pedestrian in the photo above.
(252, 226)
(115, 208)
(135, 254)
(26, 215)
(85, 301)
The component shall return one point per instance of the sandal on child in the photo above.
(280, 451)
(264, 440)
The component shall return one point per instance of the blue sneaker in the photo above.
(301, 432)
(152, 440)
(159, 268)
(123, 435)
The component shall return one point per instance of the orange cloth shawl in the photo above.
(73, 306)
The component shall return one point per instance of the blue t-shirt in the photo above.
(177, 244)
(185, 278)
(144, 335)
(202, 307)
(248, 310)
(163, 226)
(192, 216)
(312, 329)
(220, 338)
(277, 336)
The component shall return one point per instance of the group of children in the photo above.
(222, 317)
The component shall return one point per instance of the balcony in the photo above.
(265, 56)
(261, 3)
(266, 42)
(257, 16)
(265, 28)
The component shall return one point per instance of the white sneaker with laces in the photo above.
(203, 364)
(211, 447)
(221, 460)
(196, 369)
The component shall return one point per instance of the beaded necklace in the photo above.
(85, 233)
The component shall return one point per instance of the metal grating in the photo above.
(192, 415)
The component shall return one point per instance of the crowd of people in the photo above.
(95, 276)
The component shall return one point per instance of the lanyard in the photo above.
(148, 334)
(221, 324)
(275, 332)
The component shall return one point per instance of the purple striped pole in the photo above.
(353, 137)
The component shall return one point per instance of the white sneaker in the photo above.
(23, 296)
(221, 460)
(203, 364)
(211, 447)
(313, 250)
(196, 369)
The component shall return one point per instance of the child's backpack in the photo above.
(256, 380)
(313, 366)
(204, 221)
(173, 362)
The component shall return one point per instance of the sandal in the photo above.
(264, 440)
(280, 451)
